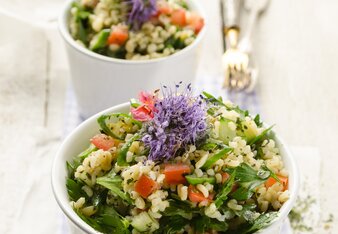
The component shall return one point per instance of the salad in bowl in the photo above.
(173, 162)
(134, 29)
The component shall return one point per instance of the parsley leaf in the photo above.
(74, 189)
(114, 185)
(171, 224)
(248, 179)
(261, 222)
(225, 190)
(260, 137)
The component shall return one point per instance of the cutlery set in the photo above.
(240, 71)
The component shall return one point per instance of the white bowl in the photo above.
(100, 81)
(78, 140)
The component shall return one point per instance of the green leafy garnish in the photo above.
(122, 154)
(113, 221)
(212, 99)
(178, 208)
(261, 222)
(74, 189)
(260, 137)
(248, 179)
(114, 185)
(213, 159)
(71, 166)
(171, 225)
(225, 190)
(257, 120)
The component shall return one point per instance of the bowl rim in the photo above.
(64, 31)
(69, 212)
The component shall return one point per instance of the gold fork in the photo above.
(235, 62)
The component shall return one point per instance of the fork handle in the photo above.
(230, 10)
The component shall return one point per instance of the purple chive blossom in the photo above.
(140, 11)
(180, 120)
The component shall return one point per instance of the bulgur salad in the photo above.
(178, 163)
(134, 29)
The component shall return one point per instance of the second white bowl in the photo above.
(100, 81)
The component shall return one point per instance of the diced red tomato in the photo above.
(195, 21)
(164, 9)
(102, 141)
(119, 35)
(283, 180)
(145, 186)
(225, 176)
(196, 196)
(178, 17)
(174, 173)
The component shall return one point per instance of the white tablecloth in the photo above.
(295, 47)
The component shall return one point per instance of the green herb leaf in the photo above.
(122, 154)
(257, 120)
(178, 208)
(171, 225)
(260, 137)
(71, 166)
(272, 174)
(91, 222)
(74, 189)
(114, 185)
(242, 194)
(261, 222)
(201, 224)
(225, 190)
(213, 159)
(113, 220)
(218, 226)
(87, 152)
(212, 99)
(248, 179)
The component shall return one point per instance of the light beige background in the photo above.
(296, 47)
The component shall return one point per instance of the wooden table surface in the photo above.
(295, 46)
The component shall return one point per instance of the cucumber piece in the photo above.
(225, 133)
(250, 132)
(143, 222)
(199, 180)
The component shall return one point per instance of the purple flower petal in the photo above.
(140, 11)
(180, 120)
